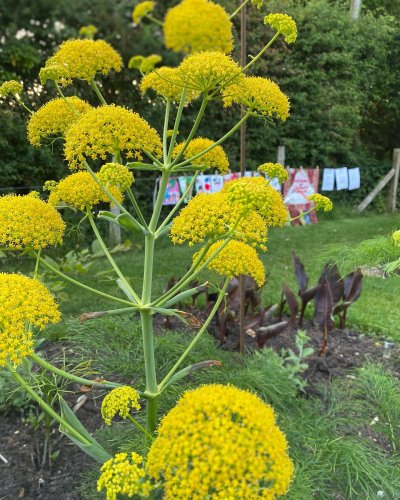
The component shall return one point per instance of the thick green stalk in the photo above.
(196, 338)
(165, 132)
(145, 314)
(82, 285)
(69, 376)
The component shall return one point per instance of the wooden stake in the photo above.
(392, 200)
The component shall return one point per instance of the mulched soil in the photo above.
(20, 478)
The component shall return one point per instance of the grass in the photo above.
(376, 312)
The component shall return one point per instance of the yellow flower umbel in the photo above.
(79, 190)
(259, 95)
(220, 442)
(206, 71)
(235, 259)
(124, 475)
(274, 171)
(109, 130)
(141, 10)
(29, 222)
(254, 193)
(216, 158)
(321, 202)
(212, 216)
(284, 25)
(23, 301)
(54, 118)
(396, 237)
(81, 59)
(114, 174)
(120, 402)
(88, 31)
(197, 25)
(166, 81)
(144, 64)
(11, 87)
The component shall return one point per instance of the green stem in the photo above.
(145, 314)
(255, 58)
(176, 124)
(110, 257)
(302, 214)
(239, 9)
(154, 160)
(196, 338)
(106, 191)
(165, 132)
(65, 99)
(154, 20)
(217, 143)
(139, 213)
(82, 285)
(47, 408)
(36, 271)
(79, 380)
(194, 129)
(22, 104)
(139, 426)
(176, 207)
(169, 293)
(95, 87)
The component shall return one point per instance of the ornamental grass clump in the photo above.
(219, 441)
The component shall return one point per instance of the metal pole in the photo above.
(243, 62)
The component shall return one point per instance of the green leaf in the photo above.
(93, 449)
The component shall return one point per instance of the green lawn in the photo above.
(377, 311)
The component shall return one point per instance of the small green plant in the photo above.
(295, 362)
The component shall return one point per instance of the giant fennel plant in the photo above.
(219, 441)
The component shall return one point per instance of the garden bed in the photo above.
(347, 350)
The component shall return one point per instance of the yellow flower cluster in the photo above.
(79, 190)
(141, 10)
(119, 401)
(197, 25)
(114, 174)
(166, 82)
(212, 216)
(88, 31)
(274, 171)
(55, 117)
(29, 222)
(109, 129)
(10, 87)
(144, 64)
(206, 71)
(396, 237)
(216, 158)
(321, 202)
(254, 193)
(235, 259)
(23, 301)
(259, 95)
(257, 3)
(123, 475)
(222, 443)
(81, 59)
(284, 25)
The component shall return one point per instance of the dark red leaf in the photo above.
(299, 272)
